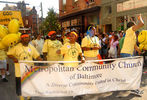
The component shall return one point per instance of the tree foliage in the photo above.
(51, 22)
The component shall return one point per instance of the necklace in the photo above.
(73, 51)
(92, 41)
(26, 53)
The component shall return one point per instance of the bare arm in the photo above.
(44, 56)
(137, 49)
(82, 58)
(139, 25)
(39, 58)
(58, 51)
(13, 58)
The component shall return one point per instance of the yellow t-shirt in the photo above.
(23, 53)
(3, 55)
(129, 42)
(50, 47)
(90, 42)
(71, 53)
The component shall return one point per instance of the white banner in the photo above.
(87, 78)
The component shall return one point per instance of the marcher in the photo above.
(38, 44)
(130, 38)
(22, 51)
(50, 47)
(71, 50)
(3, 65)
(129, 45)
(90, 45)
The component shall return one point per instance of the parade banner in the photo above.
(88, 78)
(7, 16)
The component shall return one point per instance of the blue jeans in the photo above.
(122, 55)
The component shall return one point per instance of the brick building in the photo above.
(79, 14)
(116, 13)
(29, 16)
(107, 15)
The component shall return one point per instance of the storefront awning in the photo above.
(81, 12)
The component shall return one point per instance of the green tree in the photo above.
(51, 22)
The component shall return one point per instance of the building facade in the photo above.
(78, 14)
(107, 15)
(29, 16)
(116, 13)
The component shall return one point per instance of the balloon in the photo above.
(13, 26)
(3, 31)
(142, 39)
(10, 40)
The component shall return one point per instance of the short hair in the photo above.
(130, 24)
(115, 37)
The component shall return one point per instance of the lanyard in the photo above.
(93, 42)
(27, 54)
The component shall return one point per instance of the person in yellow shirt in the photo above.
(66, 37)
(128, 48)
(90, 44)
(130, 38)
(71, 50)
(50, 47)
(3, 65)
(22, 51)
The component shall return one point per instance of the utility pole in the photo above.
(41, 14)
(41, 11)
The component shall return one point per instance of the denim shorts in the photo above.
(122, 55)
(3, 64)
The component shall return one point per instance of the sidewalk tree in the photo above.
(51, 22)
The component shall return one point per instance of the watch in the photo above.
(90, 48)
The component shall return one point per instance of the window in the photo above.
(64, 6)
(27, 22)
(75, 4)
(109, 10)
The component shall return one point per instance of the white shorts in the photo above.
(3, 64)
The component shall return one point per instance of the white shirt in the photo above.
(39, 45)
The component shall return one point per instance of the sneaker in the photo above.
(77, 98)
(4, 80)
(137, 92)
(122, 94)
